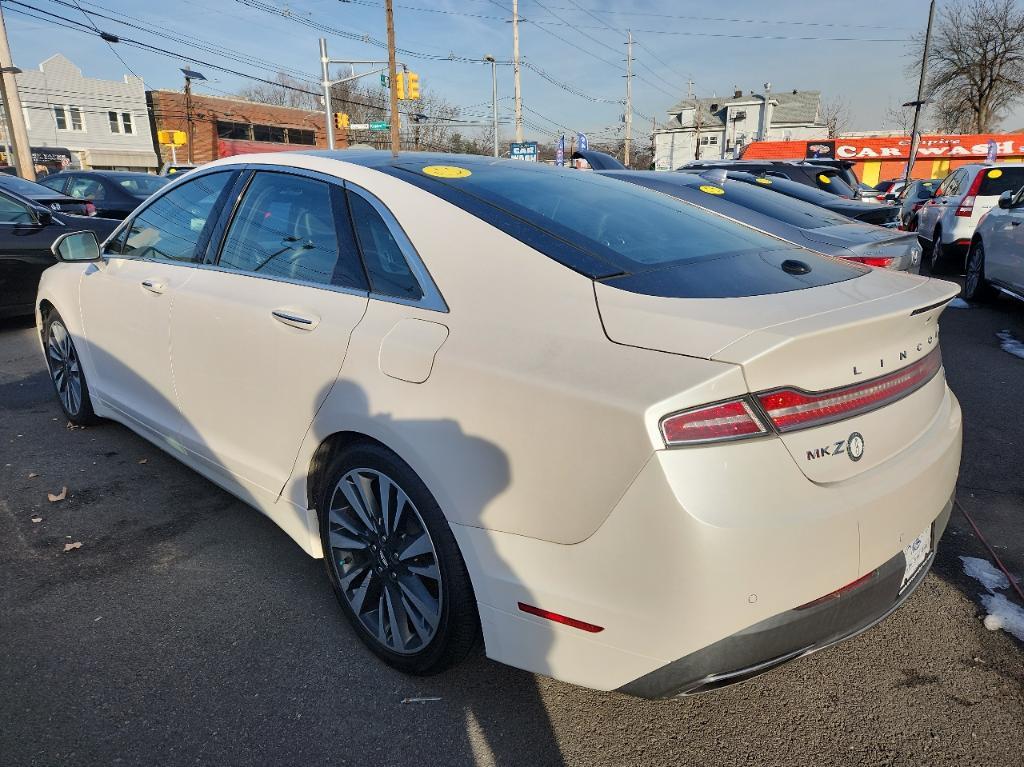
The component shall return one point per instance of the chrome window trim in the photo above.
(431, 300)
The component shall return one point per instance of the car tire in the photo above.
(976, 287)
(65, 369)
(396, 569)
(937, 256)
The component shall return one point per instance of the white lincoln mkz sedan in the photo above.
(634, 444)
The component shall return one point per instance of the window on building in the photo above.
(126, 121)
(115, 126)
(300, 136)
(268, 133)
(76, 119)
(61, 117)
(708, 140)
(234, 130)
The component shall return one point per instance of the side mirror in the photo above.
(44, 217)
(76, 247)
(1006, 200)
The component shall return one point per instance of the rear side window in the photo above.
(386, 266)
(175, 225)
(832, 182)
(142, 185)
(995, 181)
(13, 212)
(285, 227)
(926, 189)
(56, 183)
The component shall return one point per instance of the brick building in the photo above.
(222, 127)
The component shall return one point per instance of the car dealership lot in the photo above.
(187, 629)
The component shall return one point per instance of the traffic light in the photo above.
(400, 85)
(340, 120)
(414, 85)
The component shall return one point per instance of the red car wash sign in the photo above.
(962, 147)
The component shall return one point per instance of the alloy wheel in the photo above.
(385, 560)
(65, 369)
(974, 266)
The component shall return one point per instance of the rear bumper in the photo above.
(789, 635)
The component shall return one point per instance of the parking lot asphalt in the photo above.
(186, 629)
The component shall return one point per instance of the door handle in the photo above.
(153, 286)
(1014, 223)
(295, 320)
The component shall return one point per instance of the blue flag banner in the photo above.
(560, 151)
(581, 142)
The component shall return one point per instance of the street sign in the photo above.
(359, 126)
(380, 126)
(383, 80)
(525, 151)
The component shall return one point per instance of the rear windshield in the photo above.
(789, 188)
(926, 189)
(833, 183)
(786, 209)
(142, 185)
(995, 181)
(629, 228)
(23, 186)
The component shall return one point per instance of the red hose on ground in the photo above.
(998, 561)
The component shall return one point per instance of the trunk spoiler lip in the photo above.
(936, 305)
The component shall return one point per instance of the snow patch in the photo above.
(958, 303)
(1002, 613)
(1010, 343)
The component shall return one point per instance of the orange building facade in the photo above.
(885, 157)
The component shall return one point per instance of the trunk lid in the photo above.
(815, 340)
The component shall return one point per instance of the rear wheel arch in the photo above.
(329, 447)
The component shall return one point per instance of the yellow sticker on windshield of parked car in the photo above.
(995, 173)
(446, 171)
(824, 179)
(711, 189)
(765, 181)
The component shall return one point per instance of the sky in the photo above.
(853, 52)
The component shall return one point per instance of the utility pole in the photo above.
(16, 129)
(629, 94)
(915, 137)
(392, 72)
(326, 81)
(494, 99)
(515, 71)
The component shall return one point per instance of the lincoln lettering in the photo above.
(885, 362)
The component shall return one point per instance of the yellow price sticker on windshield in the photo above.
(995, 173)
(446, 171)
(711, 189)
(824, 179)
(765, 181)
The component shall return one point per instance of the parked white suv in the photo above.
(946, 223)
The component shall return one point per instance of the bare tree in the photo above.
(835, 113)
(976, 63)
(899, 117)
(287, 92)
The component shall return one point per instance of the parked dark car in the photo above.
(911, 198)
(114, 193)
(814, 175)
(868, 212)
(810, 226)
(47, 196)
(27, 230)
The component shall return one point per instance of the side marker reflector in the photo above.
(565, 620)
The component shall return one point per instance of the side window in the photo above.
(86, 187)
(386, 266)
(286, 227)
(175, 225)
(56, 183)
(14, 212)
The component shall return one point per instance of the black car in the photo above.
(47, 196)
(807, 225)
(27, 230)
(114, 193)
(912, 197)
(814, 175)
(868, 212)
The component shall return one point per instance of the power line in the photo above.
(111, 47)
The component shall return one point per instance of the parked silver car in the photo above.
(995, 261)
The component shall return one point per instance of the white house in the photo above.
(716, 128)
(104, 124)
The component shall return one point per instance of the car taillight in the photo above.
(880, 197)
(791, 409)
(734, 419)
(916, 206)
(878, 261)
(967, 203)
